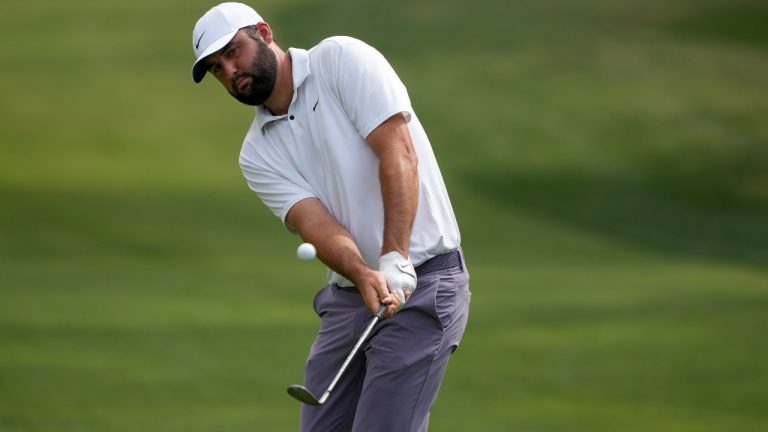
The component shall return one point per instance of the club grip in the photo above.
(382, 310)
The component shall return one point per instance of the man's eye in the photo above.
(215, 69)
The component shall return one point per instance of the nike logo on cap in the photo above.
(197, 45)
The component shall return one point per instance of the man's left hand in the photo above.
(400, 275)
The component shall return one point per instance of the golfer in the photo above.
(337, 153)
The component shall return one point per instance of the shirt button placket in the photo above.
(295, 126)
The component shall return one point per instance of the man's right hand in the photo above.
(373, 288)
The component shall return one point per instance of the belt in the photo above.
(440, 262)
(437, 263)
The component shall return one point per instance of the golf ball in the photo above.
(306, 252)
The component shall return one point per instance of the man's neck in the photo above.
(282, 95)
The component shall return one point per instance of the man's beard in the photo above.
(263, 73)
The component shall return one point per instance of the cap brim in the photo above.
(199, 69)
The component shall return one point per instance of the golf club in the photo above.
(302, 394)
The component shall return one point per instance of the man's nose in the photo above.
(228, 69)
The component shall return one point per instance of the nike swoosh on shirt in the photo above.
(197, 45)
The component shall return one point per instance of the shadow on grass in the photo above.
(172, 226)
(666, 220)
(737, 22)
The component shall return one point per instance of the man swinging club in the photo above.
(337, 153)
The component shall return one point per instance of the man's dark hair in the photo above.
(253, 32)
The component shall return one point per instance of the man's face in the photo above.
(246, 67)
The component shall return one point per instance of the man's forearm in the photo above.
(400, 194)
(399, 178)
(337, 249)
(334, 244)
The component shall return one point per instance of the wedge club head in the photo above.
(300, 393)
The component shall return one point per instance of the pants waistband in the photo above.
(444, 261)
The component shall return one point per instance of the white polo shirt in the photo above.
(343, 90)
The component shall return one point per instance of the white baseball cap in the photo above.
(216, 28)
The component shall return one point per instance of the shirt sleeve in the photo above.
(367, 86)
(278, 187)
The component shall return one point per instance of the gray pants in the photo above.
(392, 385)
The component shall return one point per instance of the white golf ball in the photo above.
(306, 252)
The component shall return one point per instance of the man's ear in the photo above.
(265, 31)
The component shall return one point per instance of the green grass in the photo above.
(608, 163)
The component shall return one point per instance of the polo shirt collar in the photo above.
(300, 71)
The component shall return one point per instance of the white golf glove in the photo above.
(399, 273)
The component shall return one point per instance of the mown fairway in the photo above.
(608, 163)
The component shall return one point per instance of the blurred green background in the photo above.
(607, 160)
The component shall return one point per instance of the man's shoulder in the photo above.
(336, 46)
(337, 42)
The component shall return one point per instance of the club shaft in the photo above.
(363, 338)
